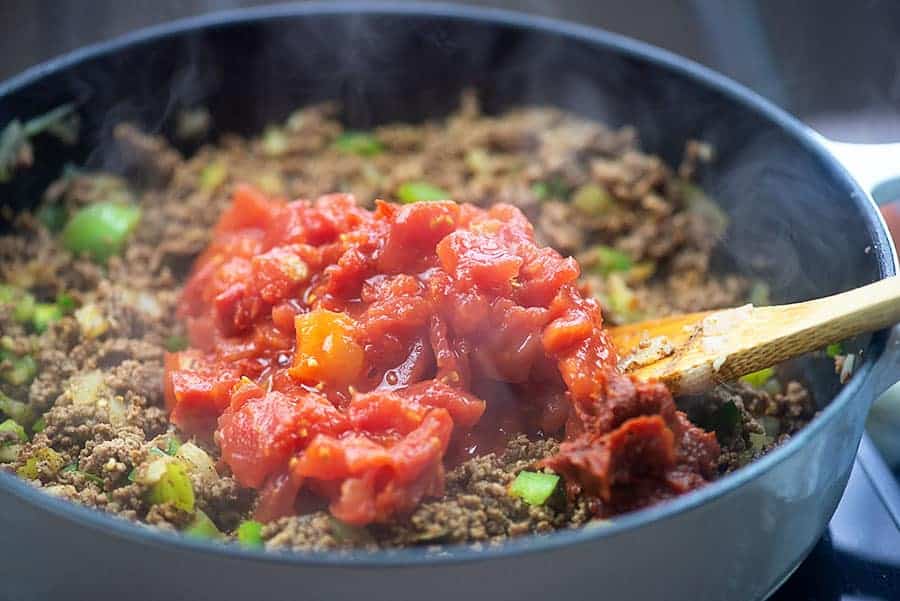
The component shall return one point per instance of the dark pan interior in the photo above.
(794, 221)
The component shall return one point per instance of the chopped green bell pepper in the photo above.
(213, 176)
(50, 459)
(174, 486)
(100, 230)
(758, 379)
(40, 424)
(249, 534)
(44, 315)
(554, 187)
(359, 143)
(17, 410)
(14, 427)
(21, 301)
(411, 192)
(608, 260)
(534, 487)
(21, 370)
(202, 527)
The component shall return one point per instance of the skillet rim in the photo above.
(809, 140)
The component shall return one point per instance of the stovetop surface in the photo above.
(858, 558)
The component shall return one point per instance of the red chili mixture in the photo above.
(352, 355)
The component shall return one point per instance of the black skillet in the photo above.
(798, 220)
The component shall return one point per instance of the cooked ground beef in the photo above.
(589, 190)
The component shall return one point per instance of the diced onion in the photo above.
(87, 387)
(91, 321)
(198, 461)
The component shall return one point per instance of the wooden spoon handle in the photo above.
(727, 344)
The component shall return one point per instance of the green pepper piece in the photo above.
(359, 143)
(24, 311)
(14, 427)
(758, 379)
(202, 527)
(51, 460)
(174, 486)
(8, 294)
(176, 343)
(534, 487)
(21, 371)
(17, 410)
(540, 190)
(213, 176)
(609, 260)
(100, 230)
(833, 350)
(592, 199)
(53, 216)
(554, 187)
(249, 534)
(40, 424)
(22, 302)
(66, 303)
(44, 315)
(410, 192)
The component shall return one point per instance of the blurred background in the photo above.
(833, 63)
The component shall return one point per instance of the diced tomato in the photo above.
(367, 468)
(465, 408)
(258, 438)
(197, 389)
(336, 352)
(478, 260)
(277, 497)
(422, 447)
(278, 273)
(543, 274)
(261, 430)
(415, 230)
(283, 317)
(249, 210)
(384, 412)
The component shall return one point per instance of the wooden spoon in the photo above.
(695, 352)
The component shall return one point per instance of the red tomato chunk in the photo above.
(351, 355)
